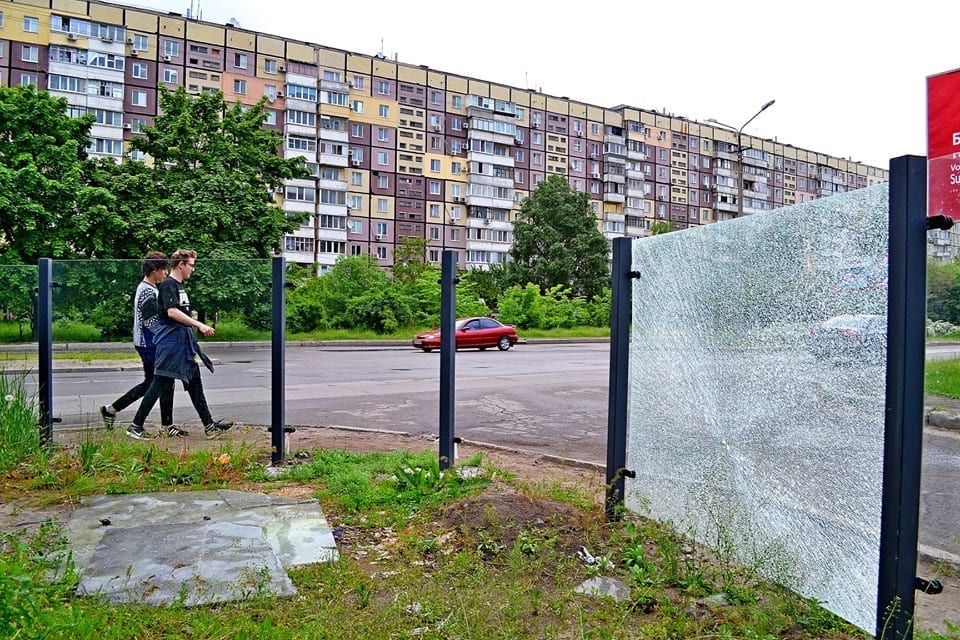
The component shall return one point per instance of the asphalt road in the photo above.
(538, 397)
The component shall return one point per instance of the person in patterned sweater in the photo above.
(178, 351)
(146, 319)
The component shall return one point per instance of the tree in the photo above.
(557, 242)
(214, 174)
(660, 227)
(47, 207)
(410, 260)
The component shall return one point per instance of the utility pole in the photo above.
(739, 131)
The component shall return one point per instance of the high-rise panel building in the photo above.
(400, 150)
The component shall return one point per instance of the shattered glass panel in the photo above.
(758, 363)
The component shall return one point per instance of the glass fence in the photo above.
(758, 388)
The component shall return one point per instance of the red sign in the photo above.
(943, 144)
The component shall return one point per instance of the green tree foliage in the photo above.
(47, 206)
(660, 227)
(215, 170)
(410, 259)
(557, 242)
(943, 292)
(488, 284)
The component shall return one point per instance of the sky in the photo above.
(848, 76)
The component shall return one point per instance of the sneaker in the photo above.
(216, 427)
(137, 433)
(176, 432)
(108, 418)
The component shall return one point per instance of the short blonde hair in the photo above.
(181, 255)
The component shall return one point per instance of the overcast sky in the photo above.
(848, 76)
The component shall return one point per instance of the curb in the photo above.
(943, 420)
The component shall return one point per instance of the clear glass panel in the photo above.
(93, 303)
(758, 386)
(18, 285)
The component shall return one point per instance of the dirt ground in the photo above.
(932, 610)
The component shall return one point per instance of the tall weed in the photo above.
(19, 435)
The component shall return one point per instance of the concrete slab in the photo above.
(194, 547)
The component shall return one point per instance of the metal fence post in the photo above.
(903, 430)
(448, 351)
(44, 324)
(620, 308)
(277, 345)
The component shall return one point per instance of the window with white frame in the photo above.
(171, 49)
(270, 65)
(434, 210)
(383, 134)
(355, 226)
(383, 88)
(138, 98)
(28, 79)
(270, 117)
(381, 228)
(139, 70)
(305, 118)
(434, 187)
(30, 53)
(383, 182)
(140, 42)
(239, 86)
(358, 82)
(240, 60)
(384, 111)
(356, 178)
(382, 158)
(435, 166)
(302, 194)
(357, 106)
(31, 24)
(381, 253)
(270, 90)
(170, 75)
(382, 205)
(436, 98)
(457, 102)
(355, 203)
(455, 234)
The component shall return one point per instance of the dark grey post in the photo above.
(45, 348)
(277, 345)
(448, 352)
(903, 432)
(620, 310)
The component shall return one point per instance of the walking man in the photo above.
(145, 321)
(178, 350)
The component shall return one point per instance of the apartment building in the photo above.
(400, 150)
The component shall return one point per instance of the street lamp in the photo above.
(740, 151)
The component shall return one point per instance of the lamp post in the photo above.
(740, 151)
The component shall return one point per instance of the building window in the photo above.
(240, 60)
(435, 166)
(139, 70)
(383, 182)
(382, 158)
(140, 42)
(138, 98)
(31, 25)
(270, 117)
(357, 106)
(356, 204)
(171, 49)
(381, 228)
(269, 65)
(381, 253)
(29, 53)
(383, 134)
(357, 82)
(434, 188)
(240, 86)
(384, 111)
(457, 102)
(303, 194)
(383, 88)
(356, 178)
(28, 78)
(382, 205)
(170, 75)
(434, 211)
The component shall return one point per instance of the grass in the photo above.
(424, 554)
(942, 378)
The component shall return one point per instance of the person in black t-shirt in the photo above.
(178, 350)
(145, 321)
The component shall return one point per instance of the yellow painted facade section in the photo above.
(413, 75)
(172, 27)
(270, 46)
(143, 22)
(333, 59)
(479, 88)
(457, 84)
(500, 92)
(375, 207)
(558, 106)
(436, 80)
(243, 40)
(538, 101)
(521, 98)
(42, 4)
(594, 114)
(205, 33)
(299, 52)
(361, 64)
(105, 14)
(74, 7)
(384, 69)
(12, 28)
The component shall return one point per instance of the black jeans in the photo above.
(137, 392)
(161, 385)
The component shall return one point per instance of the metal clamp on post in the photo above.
(930, 587)
(940, 221)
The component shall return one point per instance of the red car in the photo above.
(478, 333)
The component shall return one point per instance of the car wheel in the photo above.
(426, 350)
(504, 343)
(482, 348)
